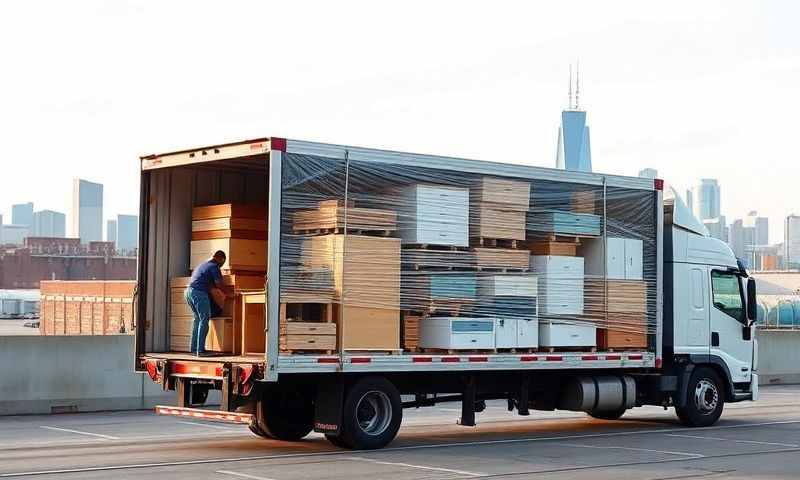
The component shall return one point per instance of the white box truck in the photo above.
(681, 298)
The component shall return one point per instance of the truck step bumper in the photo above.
(212, 415)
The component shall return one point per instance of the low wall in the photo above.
(778, 357)
(42, 374)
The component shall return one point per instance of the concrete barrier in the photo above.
(41, 374)
(778, 357)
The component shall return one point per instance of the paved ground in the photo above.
(16, 327)
(753, 440)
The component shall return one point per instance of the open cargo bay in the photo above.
(385, 261)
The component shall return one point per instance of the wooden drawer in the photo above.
(308, 328)
(611, 338)
(308, 342)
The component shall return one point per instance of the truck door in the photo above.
(731, 338)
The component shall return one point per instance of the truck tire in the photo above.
(257, 430)
(372, 414)
(705, 399)
(608, 415)
(284, 415)
(336, 440)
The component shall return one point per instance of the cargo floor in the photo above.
(251, 358)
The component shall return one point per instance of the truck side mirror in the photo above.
(752, 311)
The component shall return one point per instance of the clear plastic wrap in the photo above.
(393, 250)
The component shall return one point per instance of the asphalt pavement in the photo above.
(752, 440)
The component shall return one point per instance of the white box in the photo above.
(527, 333)
(560, 284)
(566, 335)
(623, 258)
(517, 285)
(457, 333)
(516, 333)
(433, 214)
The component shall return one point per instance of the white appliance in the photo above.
(517, 285)
(516, 333)
(457, 333)
(566, 335)
(560, 284)
(434, 214)
(623, 258)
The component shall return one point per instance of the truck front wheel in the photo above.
(284, 415)
(372, 414)
(705, 399)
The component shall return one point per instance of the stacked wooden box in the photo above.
(239, 230)
(497, 209)
(86, 307)
(330, 215)
(225, 331)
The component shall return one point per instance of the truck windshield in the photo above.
(727, 294)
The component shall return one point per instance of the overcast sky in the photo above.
(694, 89)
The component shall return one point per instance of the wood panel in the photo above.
(511, 194)
(236, 210)
(488, 221)
(243, 234)
(502, 258)
(228, 223)
(242, 254)
(567, 249)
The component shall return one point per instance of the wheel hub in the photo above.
(374, 412)
(706, 396)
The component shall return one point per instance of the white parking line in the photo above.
(107, 437)
(755, 442)
(611, 447)
(421, 467)
(215, 427)
(242, 475)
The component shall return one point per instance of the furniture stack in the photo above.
(561, 284)
(498, 209)
(331, 216)
(239, 230)
(86, 307)
(512, 300)
(433, 214)
(619, 301)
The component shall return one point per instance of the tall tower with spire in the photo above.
(574, 150)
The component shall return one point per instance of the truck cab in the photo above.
(709, 315)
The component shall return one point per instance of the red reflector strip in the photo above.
(528, 358)
(327, 360)
(613, 357)
(450, 359)
(589, 357)
(658, 184)
(218, 371)
(635, 357)
(553, 358)
(479, 359)
(659, 362)
(360, 360)
(422, 359)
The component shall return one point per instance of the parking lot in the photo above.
(753, 440)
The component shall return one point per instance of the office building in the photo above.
(690, 200)
(13, 234)
(574, 149)
(760, 226)
(47, 223)
(648, 173)
(111, 231)
(87, 210)
(22, 214)
(791, 242)
(127, 233)
(706, 199)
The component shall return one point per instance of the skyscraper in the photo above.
(706, 199)
(760, 226)
(574, 150)
(648, 173)
(127, 232)
(87, 210)
(22, 214)
(47, 223)
(111, 231)
(791, 242)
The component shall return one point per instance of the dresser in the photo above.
(554, 334)
(433, 214)
(457, 333)
(560, 284)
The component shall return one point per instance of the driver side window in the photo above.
(727, 294)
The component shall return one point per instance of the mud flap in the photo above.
(328, 405)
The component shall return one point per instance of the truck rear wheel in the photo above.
(284, 415)
(705, 399)
(372, 414)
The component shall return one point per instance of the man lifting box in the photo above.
(206, 298)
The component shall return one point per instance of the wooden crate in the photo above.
(618, 338)
(331, 215)
(489, 221)
(364, 328)
(240, 234)
(220, 335)
(243, 255)
(410, 332)
(240, 281)
(235, 210)
(228, 223)
(566, 249)
(308, 328)
(502, 258)
(308, 342)
(508, 194)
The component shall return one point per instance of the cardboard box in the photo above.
(243, 255)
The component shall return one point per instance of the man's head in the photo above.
(219, 257)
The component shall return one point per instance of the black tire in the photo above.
(608, 415)
(284, 415)
(705, 399)
(257, 430)
(372, 414)
(336, 440)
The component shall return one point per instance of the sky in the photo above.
(694, 89)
